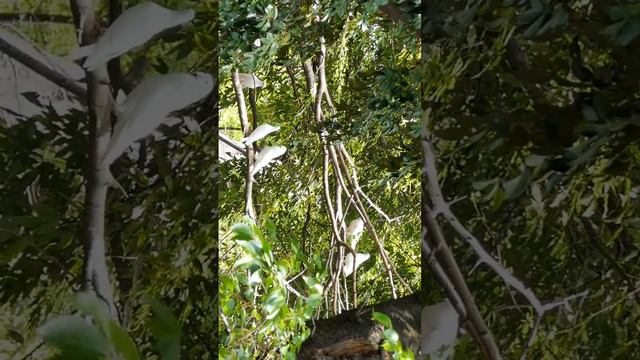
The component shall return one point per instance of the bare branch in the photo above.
(246, 130)
(36, 17)
(448, 273)
(96, 274)
(42, 69)
(358, 189)
(442, 207)
(430, 179)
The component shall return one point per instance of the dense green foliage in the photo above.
(534, 109)
(104, 338)
(259, 302)
(372, 68)
(162, 238)
(534, 106)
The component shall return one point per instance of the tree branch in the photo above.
(430, 178)
(42, 69)
(36, 17)
(96, 274)
(354, 335)
(246, 130)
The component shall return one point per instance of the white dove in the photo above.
(266, 156)
(250, 81)
(260, 132)
(133, 28)
(439, 325)
(150, 103)
(354, 230)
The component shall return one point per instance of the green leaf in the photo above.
(391, 336)
(273, 303)
(164, 322)
(74, 335)
(534, 27)
(245, 261)
(629, 32)
(623, 11)
(613, 29)
(382, 319)
(559, 18)
(496, 197)
(122, 342)
(242, 231)
(528, 16)
(480, 185)
(534, 160)
(88, 303)
(166, 329)
(253, 247)
(517, 186)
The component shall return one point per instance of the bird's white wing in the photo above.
(133, 28)
(150, 103)
(260, 132)
(250, 81)
(360, 258)
(439, 329)
(356, 227)
(354, 230)
(347, 268)
(266, 156)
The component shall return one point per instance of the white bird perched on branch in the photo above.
(354, 230)
(347, 268)
(260, 132)
(439, 327)
(133, 28)
(266, 156)
(149, 104)
(250, 81)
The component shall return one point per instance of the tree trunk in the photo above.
(96, 274)
(355, 335)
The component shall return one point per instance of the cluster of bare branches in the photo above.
(338, 166)
(337, 163)
(441, 261)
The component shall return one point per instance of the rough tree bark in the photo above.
(354, 335)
